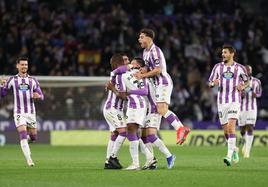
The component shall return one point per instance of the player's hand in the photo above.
(3, 81)
(36, 95)
(240, 87)
(138, 75)
(122, 95)
(109, 85)
(214, 83)
(254, 94)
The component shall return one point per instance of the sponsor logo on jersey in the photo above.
(24, 87)
(228, 75)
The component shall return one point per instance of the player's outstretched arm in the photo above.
(154, 72)
(4, 85)
(121, 69)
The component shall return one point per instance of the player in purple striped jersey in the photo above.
(136, 112)
(152, 121)
(25, 89)
(113, 114)
(135, 96)
(248, 115)
(155, 60)
(231, 78)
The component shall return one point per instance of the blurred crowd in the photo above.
(77, 38)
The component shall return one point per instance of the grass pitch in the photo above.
(83, 166)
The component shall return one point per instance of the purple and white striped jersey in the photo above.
(151, 100)
(112, 100)
(154, 57)
(23, 88)
(249, 102)
(129, 82)
(229, 78)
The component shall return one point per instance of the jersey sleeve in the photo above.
(258, 88)
(37, 88)
(155, 54)
(214, 73)
(243, 74)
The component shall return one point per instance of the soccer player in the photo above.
(138, 92)
(248, 114)
(231, 78)
(25, 89)
(155, 60)
(134, 91)
(152, 120)
(113, 114)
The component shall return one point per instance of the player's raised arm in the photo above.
(5, 85)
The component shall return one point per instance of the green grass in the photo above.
(83, 166)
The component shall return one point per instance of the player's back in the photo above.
(132, 83)
(112, 100)
(249, 101)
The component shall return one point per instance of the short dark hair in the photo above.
(148, 32)
(21, 59)
(117, 59)
(229, 47)
(140, 61)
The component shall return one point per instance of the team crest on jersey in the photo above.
(24, 87)
(228, 75)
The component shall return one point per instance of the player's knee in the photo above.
(250, 130)
(23, 135)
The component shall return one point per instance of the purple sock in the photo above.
(250, 133)
(33, 137)
(231, 135)
(124, 134)
(113, 137)
(171, 118)
(151, 138)
(23, 135)
(132, 137)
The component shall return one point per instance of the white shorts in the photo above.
(136, 116)
(227, 111)
(247, 118)
(25, 119)
(163, 93)
(153, 120)
(115, 118)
